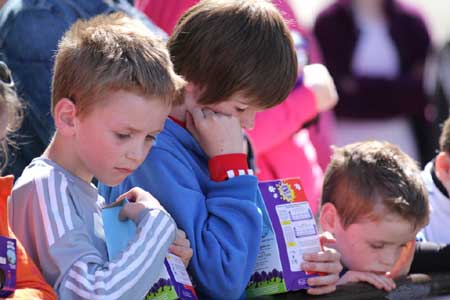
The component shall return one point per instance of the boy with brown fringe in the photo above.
(374, 202)
(113, 87)
(238, 58)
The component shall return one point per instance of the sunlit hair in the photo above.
(231, 46)
(10, 113)
(112, 52)
(444, 139)
(372, 179)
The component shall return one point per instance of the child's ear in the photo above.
(64, 114)
(329, 218)
(193, 91)
(442, 164)
(190, 87)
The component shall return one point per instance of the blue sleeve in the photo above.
(221, 220)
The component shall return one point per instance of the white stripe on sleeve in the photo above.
(44, 212)
(92, 282)
(65, 203)
(54, 204)
(230, 173)
(125, 287)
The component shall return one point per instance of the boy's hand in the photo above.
(326, 261)
(379, 281)
(216, 133)
(317, 78)
(181, 247)
(138, 201)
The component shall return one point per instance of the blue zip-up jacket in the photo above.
(222, 220)
(29, 35)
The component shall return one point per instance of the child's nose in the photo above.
(389, 258)
(136, 153)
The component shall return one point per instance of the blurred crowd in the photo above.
(367, 70)
(375, 56)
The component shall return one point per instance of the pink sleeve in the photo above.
(275, 125)
(165, 13)
(294, 23)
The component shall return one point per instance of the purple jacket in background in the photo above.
(375, 97)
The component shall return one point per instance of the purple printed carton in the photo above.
(7, 266)
(293, 233)
(173, 283)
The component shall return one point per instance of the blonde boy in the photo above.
(113, 87)
(374, 203)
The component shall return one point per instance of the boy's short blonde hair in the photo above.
(112, 52)
(372, 179)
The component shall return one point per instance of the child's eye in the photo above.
(240, 109)
(377, 246)
(122, 136)
(150, 138)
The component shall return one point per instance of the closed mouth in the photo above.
(124, 170)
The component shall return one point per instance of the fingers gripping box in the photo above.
(294, 232)
(173, 283)
(7, 266)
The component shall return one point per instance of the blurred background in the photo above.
(435, 12)
(401, 83)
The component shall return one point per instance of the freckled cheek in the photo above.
(368, 262)
(112, 149)
(364, 262)
(362, 257)
(347, 254)
(395, 253)
(146, 150)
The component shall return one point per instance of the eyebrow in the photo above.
(134, 130)
(242, 103)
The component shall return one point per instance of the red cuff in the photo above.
(227, 166)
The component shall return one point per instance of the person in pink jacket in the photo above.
(283, 149)
(322, 130)
(164, 14)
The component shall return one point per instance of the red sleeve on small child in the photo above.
(30, 284)
(223, 167)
